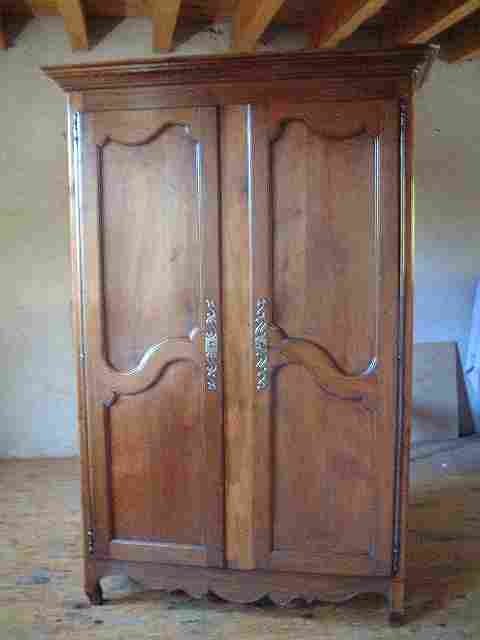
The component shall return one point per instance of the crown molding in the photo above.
(413, 62)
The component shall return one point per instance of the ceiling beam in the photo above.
(468, 47)
(341, 19)
(3, 34)
(463, 41)
(431, 17)
(249, 21)
(164, 18)
(75, 22)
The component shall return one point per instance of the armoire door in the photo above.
(325, 309)
(151, 288)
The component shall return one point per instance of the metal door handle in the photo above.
(211, 344)
(261, 343)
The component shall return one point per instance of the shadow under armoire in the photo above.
(241, 249)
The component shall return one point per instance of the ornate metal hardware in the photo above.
(261, 344)
(211, 345)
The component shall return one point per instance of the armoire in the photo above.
(242, 292)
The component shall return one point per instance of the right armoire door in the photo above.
(325, 316)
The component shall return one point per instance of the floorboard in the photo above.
(40, 570)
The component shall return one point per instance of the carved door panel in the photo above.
(152, 334)
(325, 306)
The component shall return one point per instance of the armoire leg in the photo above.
(396, 616)
(93, 588)
(94, 593)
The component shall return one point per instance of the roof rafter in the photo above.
(3, 34)
(431, 17)
(455, 24)
(463, 41)
(341, 19)
(164, 18)
(73, 14)
(250, 20)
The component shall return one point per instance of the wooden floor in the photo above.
(40, 569)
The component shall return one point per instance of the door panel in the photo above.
(154, 435)
(322, 259)
(153, 334)
(325, 300)
(324, 454)
(156, 293)
(324, 493)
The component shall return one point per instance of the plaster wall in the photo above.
(447, 181)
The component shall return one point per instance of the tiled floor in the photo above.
(41, 586)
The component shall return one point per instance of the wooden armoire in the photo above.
(242, 266)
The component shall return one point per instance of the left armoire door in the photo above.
(148, 221)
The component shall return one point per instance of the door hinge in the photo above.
(400, 350)
(403, 115)
(396, 558)
(91, 541)
(76, 127)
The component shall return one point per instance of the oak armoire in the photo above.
(242, 267)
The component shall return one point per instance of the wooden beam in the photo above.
(249, 21)
(341, 19)
(469, 47)
(3, 34)
(164, 17)
(73, 15)
(463, 41)
(431, 17)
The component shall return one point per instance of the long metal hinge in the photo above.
(400, 342)
(91, 541)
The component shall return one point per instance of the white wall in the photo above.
(37, 401)
(448, 205)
